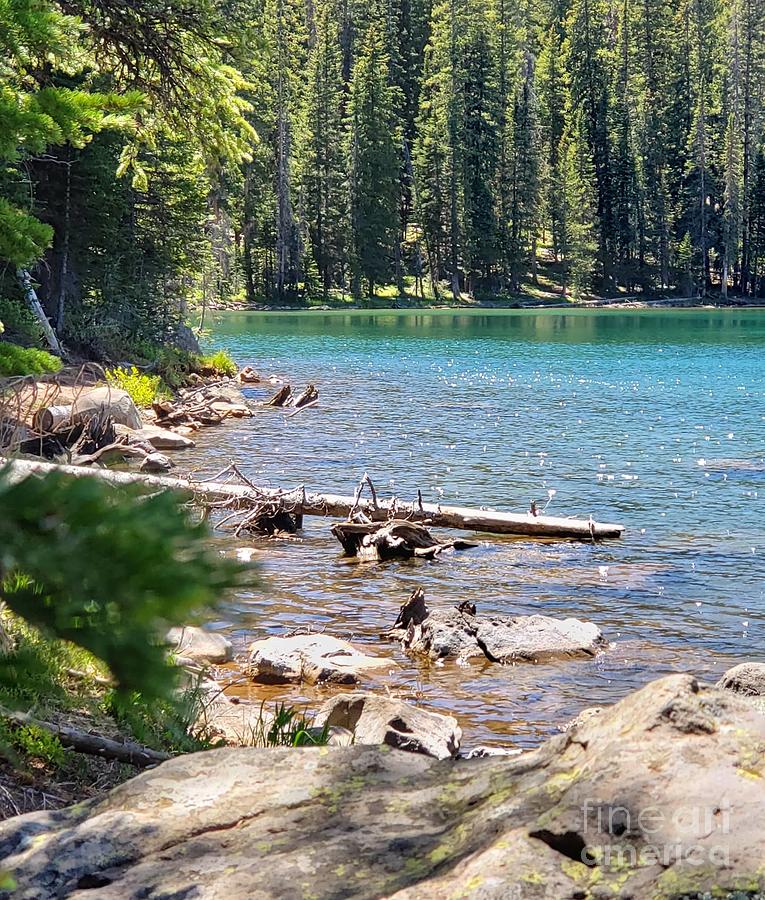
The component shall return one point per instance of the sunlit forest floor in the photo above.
(544, 288)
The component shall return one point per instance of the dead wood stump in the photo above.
(397, 539)
(281, 397)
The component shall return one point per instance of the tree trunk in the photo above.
(30, 295)
(64, 271)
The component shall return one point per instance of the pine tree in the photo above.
(752, 75)
(552, 96)
(587, 51)
(524, 212)
(288, 41)
(433, 151)
(733, 155)
(656, 112)
(757, 225)
(478, 131)
(322, 147)
(579, 245)
(35, 115)
(374, 139)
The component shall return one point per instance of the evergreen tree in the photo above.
(579, 244)
(478, 132)
(552, 96)
(287, 40)
(322, 155)
(374, 139)
(525, 152)
(588, 60)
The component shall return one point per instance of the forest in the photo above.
(278, 151)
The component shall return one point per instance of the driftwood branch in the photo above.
(93, 744)
(30, 295)
(397, 539)
(301, 408)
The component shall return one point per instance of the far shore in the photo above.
(403, 305)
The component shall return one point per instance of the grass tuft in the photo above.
(143, 389)
(220, 363)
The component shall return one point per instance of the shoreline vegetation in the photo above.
(383, 304)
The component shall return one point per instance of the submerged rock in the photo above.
(310, 658)
(374, 719)
(461, 632)
(659, 796)
(199, 645)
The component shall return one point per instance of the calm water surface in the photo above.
(652, 418)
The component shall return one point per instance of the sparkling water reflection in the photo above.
(655, 419)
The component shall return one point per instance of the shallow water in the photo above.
(651, 418)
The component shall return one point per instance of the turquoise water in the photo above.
(651, 418)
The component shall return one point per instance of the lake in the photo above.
(651, 418)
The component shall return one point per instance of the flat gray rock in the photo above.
(376, 719)
(159, 438)
(659, 796)
(311, 658)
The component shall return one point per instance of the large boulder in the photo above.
(746, 678)
(504, 639)
(312, 659)
(199, 645)
(659, 796)
(375, 719)
(110, 400)
(184, 339)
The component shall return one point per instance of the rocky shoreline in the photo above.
(658, 796)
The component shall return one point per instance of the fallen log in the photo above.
(93, 744)
(302, 503)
